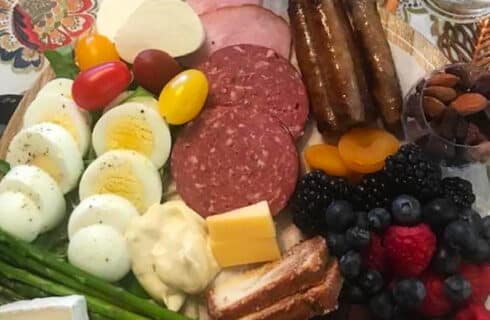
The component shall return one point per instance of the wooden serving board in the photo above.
(15, 123)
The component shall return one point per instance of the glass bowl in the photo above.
(449, 137)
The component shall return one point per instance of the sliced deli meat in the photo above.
(254, 76)
(202, 6)
(171, 26)
(247, 24)
(231, 157)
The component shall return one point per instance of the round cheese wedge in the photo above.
(51, 148)
(125, 173)
(19, 216)
(63, 112)
(38, 186)
(101, 251)
(106, 209)
(133, 126)
(171, 26)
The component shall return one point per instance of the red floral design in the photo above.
(27, 28)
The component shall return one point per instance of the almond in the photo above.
(444, 94)
(433, 107)
(443, 80)
(469, 103)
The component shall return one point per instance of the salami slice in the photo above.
(253, 76)
(231, 157)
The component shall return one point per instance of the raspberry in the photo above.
(473, 312)
(435, 304)
(409, 249)
(374, 257)
(479, 277)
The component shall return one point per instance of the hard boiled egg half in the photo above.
(133, 126)
(125, 173)
(51, 148)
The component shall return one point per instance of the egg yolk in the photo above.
(64, 121)
(47, 164)
(122, 181)
(130, 133)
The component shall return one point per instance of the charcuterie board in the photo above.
(255, 170)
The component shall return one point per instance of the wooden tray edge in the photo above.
(15, 123)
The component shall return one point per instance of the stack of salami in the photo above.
(241, 149)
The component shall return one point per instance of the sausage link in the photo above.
(384, 80)
(300, 13)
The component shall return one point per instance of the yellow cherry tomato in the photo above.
(93, 50)
(183, 97)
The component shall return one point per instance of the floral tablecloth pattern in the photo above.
(28, 27)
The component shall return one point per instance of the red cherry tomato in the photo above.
(96, 87)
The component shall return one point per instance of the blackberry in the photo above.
(459, 191)
(372, 192)
(314, 193)
(410, 171)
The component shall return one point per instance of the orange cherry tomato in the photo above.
(93, 50)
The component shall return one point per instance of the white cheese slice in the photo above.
(171, 26)
(112, 15)
(56, 308)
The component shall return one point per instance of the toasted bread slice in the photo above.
(303, 267)
(318, 300)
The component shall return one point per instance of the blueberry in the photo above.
(357, 238)
(379, 219)
(446, 261)
(350, 264)
(485, 232)
(409, 293)
(481, 253)
(439, 212)
(474, 219)
(382, 306)
(406, 210)
(459, 235)
(339, 216)
(337, 244)
(371, 281)
(353, 293)
(362, 219)
(457, 288)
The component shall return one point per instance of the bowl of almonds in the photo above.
(447, 113)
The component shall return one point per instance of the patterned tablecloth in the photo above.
(27, 27)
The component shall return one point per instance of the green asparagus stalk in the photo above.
(96, 305)
(28, 292)
(36, 267)
(111, 293)
(9, 295)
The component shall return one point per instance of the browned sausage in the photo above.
(330, 63)
(300, 13)
(384, 80)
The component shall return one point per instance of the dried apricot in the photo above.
(327, 158)
(364, 150)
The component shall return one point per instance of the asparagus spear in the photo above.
(28, 292)
(96, 305)
(9, 295)
(112, 293)
(38, 268)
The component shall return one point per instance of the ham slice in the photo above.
(202, 6)
(247, 24)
